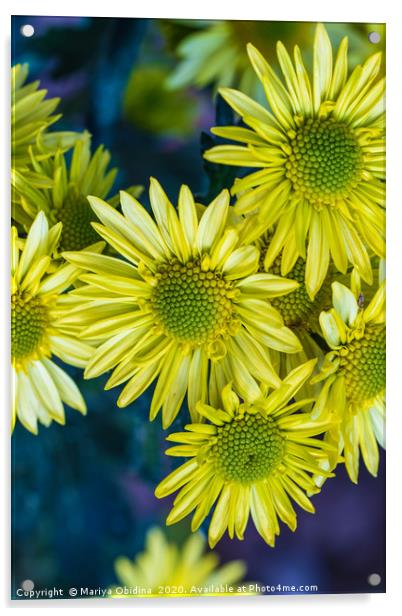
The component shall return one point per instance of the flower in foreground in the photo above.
(187, 307)
(320, 155)
(164, 569)
(248, 458)
(353, 375)
(65, 201)
(40, 386)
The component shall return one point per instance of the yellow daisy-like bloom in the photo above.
(353, 376)
(66, 200)
(300, 313)
(166, 570)
(188, 309)
(40, 386)
(31, 116)
(216, 52)
(321, 159)
(249, 458)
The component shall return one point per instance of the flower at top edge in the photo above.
(319, 152)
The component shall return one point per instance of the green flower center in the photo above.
(296, 307)
(29, 320)
(192, 305)
(363, 365)
(325, 162)
(76, 216)
(248, 449)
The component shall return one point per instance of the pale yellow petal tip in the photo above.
(159, 493)
(165, 424)
(121, 402)
(170, 519)
(252, 49)
(97, 204)
(292, 524)
(154, 183)
(32, 429)
(310, 365)
(321, 30)
(126, 195)
(225, 91)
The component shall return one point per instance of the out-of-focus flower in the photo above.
(151, 106)
(166, 570)
(215, 53)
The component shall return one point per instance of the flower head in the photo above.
(187, 309)
(164, 565)
(31, 116)
(299, 312)
(40, 386)
(69, 184)
(320, 155)
(249, 458)
(353, 375)
(215, 53)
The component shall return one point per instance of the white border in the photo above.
(295, 10)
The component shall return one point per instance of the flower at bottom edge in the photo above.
(166, 569)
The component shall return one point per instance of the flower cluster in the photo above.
(259, 321)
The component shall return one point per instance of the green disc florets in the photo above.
(76, 215)
(248, 449)
(363, 365)
(28, 325)
(296, 308)
(192, 305)
(325, 162)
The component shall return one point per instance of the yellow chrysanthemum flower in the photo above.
(299, 312)
(215, 54)
(188, 309)
(353, 376)
(320, 152)
(66, 200)
(40, 386)
(31, 116)
(166, 570)
(249, 458)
